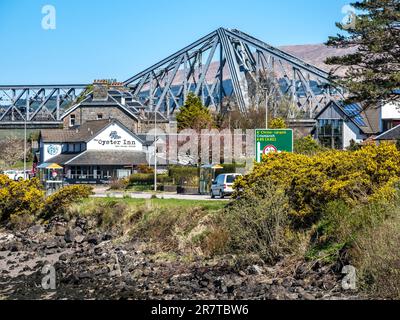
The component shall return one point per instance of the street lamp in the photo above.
(155, 150)
(26, 114)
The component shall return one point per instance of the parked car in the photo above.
(19, 176)
(223, 185)
(10, 174)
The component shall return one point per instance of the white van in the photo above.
(223, 184)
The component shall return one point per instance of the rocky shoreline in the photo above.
(90, 264)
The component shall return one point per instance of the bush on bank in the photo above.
(19, 198)
(310, 182)
(59, 202)
(347, 203)
(22, 202)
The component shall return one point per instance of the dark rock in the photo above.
(98, 251)
(81, 223)
(287, 282)
(15, 246)
(85, 275)
(107, 237)
(26, 268)
(255, 270)
(69, 236)
(64, 257)
(24, 258)
(93, 239)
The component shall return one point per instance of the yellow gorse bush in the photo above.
(312, 181)
(20, 198)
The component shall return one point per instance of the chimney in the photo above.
(100, 90)
(119, 86)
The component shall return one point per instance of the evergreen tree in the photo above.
(194, 115)
(373, 68)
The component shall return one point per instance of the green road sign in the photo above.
(273, 140)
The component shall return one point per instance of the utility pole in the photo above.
(155, 150)
(266, 108)
(25, 146)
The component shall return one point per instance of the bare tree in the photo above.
(12, 151)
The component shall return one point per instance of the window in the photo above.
(388, 124)
(99, 116)
(330, 133)
(72, 120)
(231, 178)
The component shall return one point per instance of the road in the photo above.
(102, 192)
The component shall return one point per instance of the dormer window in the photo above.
(99, 116)
(72, 120)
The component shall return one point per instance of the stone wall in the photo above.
(85, 113)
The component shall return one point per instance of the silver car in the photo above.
(223, 185)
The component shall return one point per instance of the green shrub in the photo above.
(307, 146)
(20, 198)
(256, 222)
(310, 182)
(58, 202)
(376, 257)
(147, 179)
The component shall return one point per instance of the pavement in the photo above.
(103, 192)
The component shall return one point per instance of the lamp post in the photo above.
(266, 109)
(155, 150)
(25, 145)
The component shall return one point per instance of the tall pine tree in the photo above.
(373, 68)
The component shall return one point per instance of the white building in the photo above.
(97, 151)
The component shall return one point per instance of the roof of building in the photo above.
(82, 133)
(108, 158)
(112, 100)
(392, 134)
(367, 120)
(63, 158)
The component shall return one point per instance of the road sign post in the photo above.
(273, 140)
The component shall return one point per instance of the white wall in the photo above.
(391, 111)
(351, 132)
(115, 138)
(51, 150)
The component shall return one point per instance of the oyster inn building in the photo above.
(96, 152)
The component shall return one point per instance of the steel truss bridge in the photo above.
(225, 68)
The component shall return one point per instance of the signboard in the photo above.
(114, 138)
(50, 151)
(273, 140)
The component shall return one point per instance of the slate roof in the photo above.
(368, 121)
(82, 133)
(63, 158)
(108, 158)
(392, 134)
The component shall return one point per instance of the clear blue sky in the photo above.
(117, 38)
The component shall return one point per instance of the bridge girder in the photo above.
(205, 67)
(36, 104)
(223, 65)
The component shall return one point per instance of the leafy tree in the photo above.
(194, 115)
(307, 146)
(373, 68)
